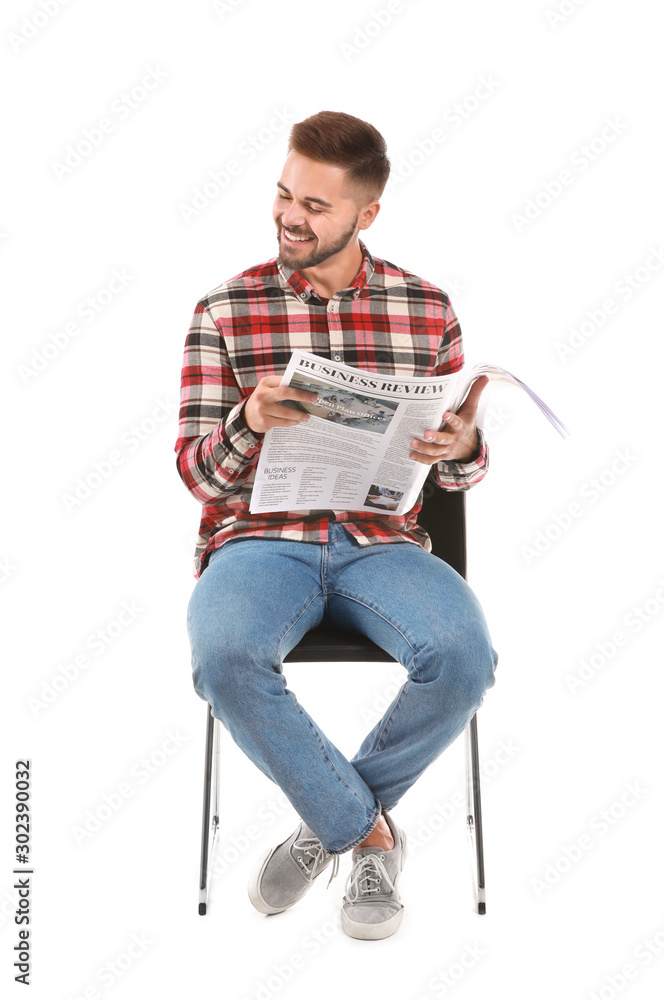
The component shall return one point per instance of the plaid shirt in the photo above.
(387, 321)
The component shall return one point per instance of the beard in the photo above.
(301, 258)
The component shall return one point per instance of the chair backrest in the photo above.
(443, 517)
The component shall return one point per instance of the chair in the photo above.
(443, 517)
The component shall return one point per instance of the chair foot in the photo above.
(481, 907)
(202, 909)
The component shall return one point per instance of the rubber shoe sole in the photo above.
(375, 932)
(254, 882)
(371, 932)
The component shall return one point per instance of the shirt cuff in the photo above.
(241, 438)
(470, 471)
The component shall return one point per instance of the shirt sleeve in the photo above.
(458, 475)
(215, 448)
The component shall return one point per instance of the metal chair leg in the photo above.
(474, 810)
(210, 807)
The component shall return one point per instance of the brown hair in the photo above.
(341, 139)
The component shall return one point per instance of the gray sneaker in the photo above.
(285, 873)
(372, 908)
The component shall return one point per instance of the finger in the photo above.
(454, 422)
(283, 411)
(436, 438)
(472, 400)
(302, 395)
(269, 381)
(433, 448)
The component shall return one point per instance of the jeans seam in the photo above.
(294, 623)
(324, 561)
(397, 704)
(315, 729)
(338, 593)
(327, 757)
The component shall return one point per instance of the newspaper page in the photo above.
(352, 454)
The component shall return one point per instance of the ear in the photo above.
(368, 214)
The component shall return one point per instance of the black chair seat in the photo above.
(328, 643)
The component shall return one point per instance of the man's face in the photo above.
(313, 201)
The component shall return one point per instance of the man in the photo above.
(264, 580)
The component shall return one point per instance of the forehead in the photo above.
(306, 178)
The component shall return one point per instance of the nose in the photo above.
(292, 217)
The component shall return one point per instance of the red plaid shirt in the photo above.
(387, 321)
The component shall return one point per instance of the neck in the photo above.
(336, 272)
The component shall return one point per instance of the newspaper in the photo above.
(352, 454)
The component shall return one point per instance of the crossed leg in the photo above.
(254, 602)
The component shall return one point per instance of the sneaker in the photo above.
(286, 872)
(372, 908)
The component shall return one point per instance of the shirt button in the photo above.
(337, 357)
(303, 296)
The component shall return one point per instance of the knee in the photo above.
(229, 664)
(462, 658)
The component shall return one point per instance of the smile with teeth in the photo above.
(296, 239)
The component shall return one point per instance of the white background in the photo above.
(519, 289)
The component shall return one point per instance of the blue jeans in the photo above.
(253, 603)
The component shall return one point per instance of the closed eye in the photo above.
(314, 211)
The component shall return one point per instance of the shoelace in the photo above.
(315, 852)
(368, 870)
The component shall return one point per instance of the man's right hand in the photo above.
(263, 409)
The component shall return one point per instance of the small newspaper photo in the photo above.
(352, 454)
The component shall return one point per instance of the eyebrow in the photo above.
(318, 201)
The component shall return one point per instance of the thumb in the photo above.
(472, 400)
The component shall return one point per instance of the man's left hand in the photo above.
(459, 441)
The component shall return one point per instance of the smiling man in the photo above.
(264, 580)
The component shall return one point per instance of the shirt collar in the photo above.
(305, 291)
